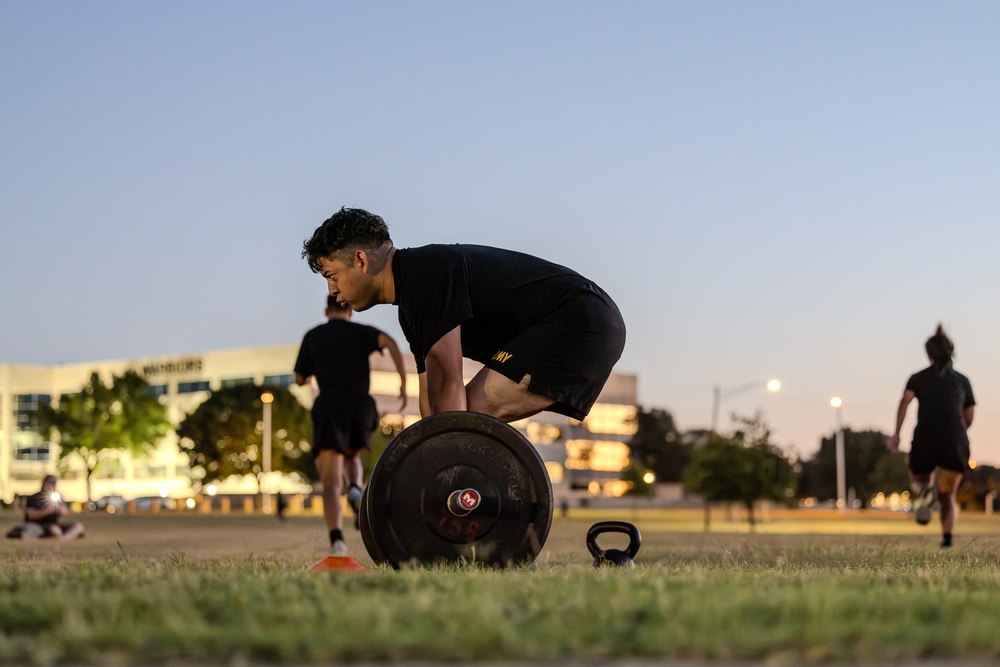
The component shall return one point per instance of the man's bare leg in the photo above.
(74, 531)
(330, 465)
(919, 482)
(354, 475)
(353, 471)
(948, 482)
(493, 394)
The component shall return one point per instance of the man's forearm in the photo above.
(444, 395)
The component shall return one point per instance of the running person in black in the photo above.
(548, 337)
(344, 413)
(945, 410)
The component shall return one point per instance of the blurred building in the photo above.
(583, 458)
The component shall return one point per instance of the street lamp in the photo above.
(266, 399)
(838, 404)
(718, 394)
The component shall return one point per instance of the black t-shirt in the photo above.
(493, 294)
(337, 354)
(43, 501)
(942, 398)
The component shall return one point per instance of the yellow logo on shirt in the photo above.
(501, 356)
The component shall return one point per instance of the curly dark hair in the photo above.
(347, 229)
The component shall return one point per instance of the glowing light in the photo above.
(189, 503)
(649, 478)
(163, 493)
(836, 402)
(267, 397)
(56, 497)
(617, 488)
(594, 488)
(211, 489)
(773, 385)
(972, 464)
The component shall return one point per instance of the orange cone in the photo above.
(338, 563)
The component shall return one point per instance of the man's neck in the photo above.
(386, 280)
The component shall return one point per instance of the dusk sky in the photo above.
(797, 190)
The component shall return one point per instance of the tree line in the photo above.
(224, 437)
(745, 466)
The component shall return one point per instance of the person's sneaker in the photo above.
(354, 498)
(338, 548)
(923, 505)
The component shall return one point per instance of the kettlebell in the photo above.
(619, 557)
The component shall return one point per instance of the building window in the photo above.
(41, 452)
(158, 389)
(601, 455)
(612, 419)
(191, 387)
(26, 411)
(229, 383)
(286, 380)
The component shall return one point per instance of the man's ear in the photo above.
(362, 259)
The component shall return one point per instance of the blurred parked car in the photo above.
(110, 504)
(146, 503)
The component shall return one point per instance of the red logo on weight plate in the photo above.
(469, 499)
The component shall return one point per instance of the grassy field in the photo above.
(807, 586)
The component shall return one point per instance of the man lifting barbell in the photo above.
(547, 337)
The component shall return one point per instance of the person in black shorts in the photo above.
(548, 337)
(945, 410)
(343, 413)
(46, 509)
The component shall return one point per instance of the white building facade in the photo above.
(583, 458)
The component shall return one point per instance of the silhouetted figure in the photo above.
(945, 410)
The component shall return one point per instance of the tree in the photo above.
(224, 435)
(744, 467)
(869, 467)
(101, 421)
(658, 446)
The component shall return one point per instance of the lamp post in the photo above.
(266, 399)
(838, 404)
(718, 394)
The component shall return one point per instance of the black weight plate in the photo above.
(407, 495)
(366, 532)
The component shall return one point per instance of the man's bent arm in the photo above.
(893, 441)
(445, 386)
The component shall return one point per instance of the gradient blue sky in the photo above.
(792, 189)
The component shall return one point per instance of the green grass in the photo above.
(830, 594)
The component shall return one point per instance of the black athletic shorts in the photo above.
(343, 429)
(570, 354)
(924, 458)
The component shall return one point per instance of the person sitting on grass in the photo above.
(46, 508)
